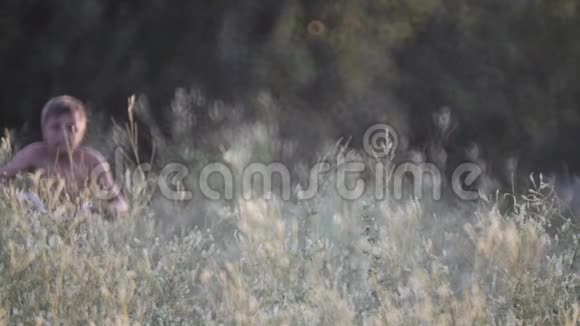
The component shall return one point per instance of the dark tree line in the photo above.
(507, 69)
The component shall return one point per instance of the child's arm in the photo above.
(23, 160)
(118, 207)
(116, 204)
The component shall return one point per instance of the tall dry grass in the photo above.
(322, 261)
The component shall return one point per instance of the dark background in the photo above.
(509, 70)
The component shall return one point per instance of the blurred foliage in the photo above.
(507, 69)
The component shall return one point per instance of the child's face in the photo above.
(64, 132)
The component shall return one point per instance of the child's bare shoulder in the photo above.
(92, 155)
(30, 157)
(36, 146)
(33, 151)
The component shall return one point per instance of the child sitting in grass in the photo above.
(60, 155)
